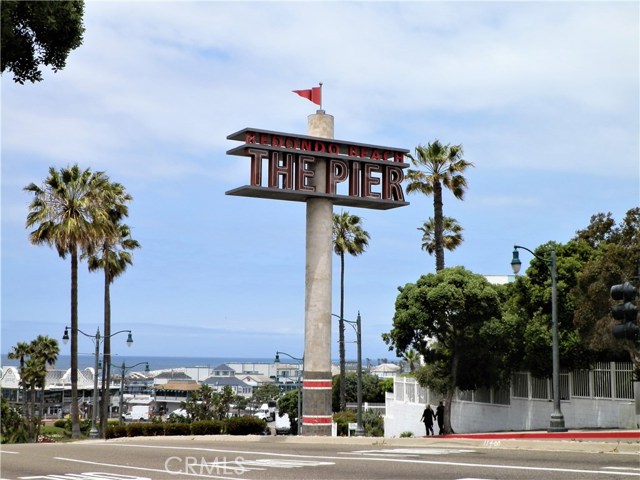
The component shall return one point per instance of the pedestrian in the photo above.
(440, 418)
(427, 418)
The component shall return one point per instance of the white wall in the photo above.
(522, 414)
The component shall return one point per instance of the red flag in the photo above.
(314, 94)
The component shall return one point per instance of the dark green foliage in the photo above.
(60, 423)
(39, 33)
(207, 427)
(373, 424)
(177, 429)
(343, 419)
(246, 426)
(135, 429)
(288, 403)
(152, 429)
(13, 427)
(116, 431)
(372, 389)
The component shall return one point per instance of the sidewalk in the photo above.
(604, 435)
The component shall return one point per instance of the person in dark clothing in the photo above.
(440, 417)
(427, 418)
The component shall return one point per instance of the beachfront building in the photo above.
(169, 395)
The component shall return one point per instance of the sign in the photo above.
(283, 166)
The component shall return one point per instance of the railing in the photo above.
(612, 380)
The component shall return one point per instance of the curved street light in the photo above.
(123, 368)
(557, 418)
(276, 361)
(93, 433)
(357, 326)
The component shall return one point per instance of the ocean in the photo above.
(155, 363)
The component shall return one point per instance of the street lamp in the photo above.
(93, 433)
(123, 368)
(357, 326)
(557, 419)
(276, 361)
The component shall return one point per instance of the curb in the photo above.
(608, 435)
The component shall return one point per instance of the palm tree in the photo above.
(412, 357)
(69, 215)
(19, 352)
(113, 256)
(452, 234)
(348, 237)
(45, 350)
(443, 166)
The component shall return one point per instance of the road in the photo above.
(270, 458)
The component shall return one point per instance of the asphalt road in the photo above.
(256, 458)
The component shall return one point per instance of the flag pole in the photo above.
(320, 95)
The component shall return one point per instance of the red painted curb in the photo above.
(544, 435)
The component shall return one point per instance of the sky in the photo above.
(543, 96)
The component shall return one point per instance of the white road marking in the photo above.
(85, 476)
(8, 451)
(381, 459)
(411, 451)
(144, 469)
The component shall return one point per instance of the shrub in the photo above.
(135, 429)
(207, 427)
(62, 423)
(116, 431)
(177, 429)
(373, 424)
(248, 425)
(406, 435)
(152, 429)
(343, 419)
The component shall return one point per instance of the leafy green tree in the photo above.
(531, 307)
(69, 213)
(348, 237)
(13, 428)
(372, 390)
(616, 260)
(288, 403)
(452, 234)
(39, 33)
(207, 404)
(437, 165)
(445, 317)
(264, 393)
(112, 255)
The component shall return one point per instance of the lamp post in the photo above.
(357, 326)
(123, 368)
(93, 433)
(557, 418)
(276, 361)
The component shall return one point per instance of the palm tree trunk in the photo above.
(343, 373)
(75, 421)
(439, 225)
(106, 357)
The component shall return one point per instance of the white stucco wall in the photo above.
(522, 414)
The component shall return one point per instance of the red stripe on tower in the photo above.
(317, 419)
(317, 384)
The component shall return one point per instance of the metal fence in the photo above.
(612, 380)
